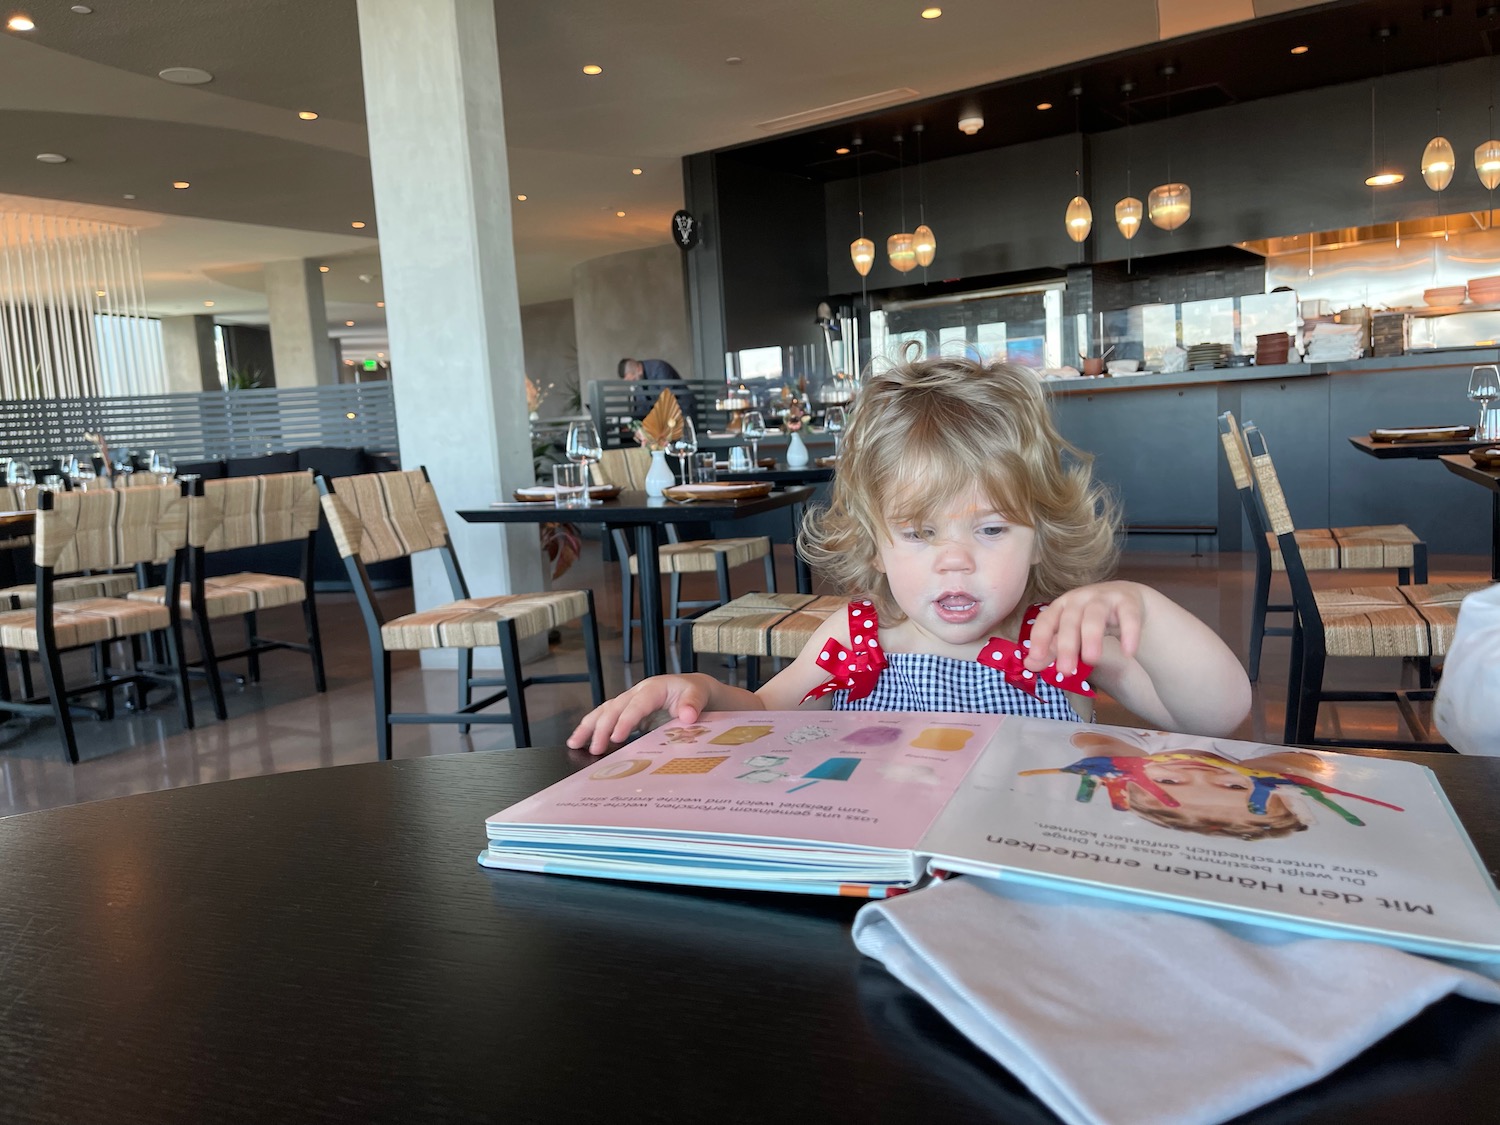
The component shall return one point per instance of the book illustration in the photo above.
(739, 736)
(618, 768)
(804, 735)
(764, 768)
(832, 769)
(910, 773)
(1205, 791)
(691, 765)
(947, 739)
(874, 736)
(677, 735)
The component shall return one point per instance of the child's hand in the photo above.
(1074, 626)
(611, 722)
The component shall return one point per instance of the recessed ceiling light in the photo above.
(82, 9)
(734, 60)
(307, 115)
(1384, 179)
(208, 304)
(1044, 105)
(635, 171)
(931, 13)
(99, 292)
(20, 23)
(52, 158)
(350, 413)
(380, 304)
(841, 151)
(348, 324)
(1302, 50)
(380, 355)
(619, 214)
(181, 185)
(128, 195)
(593, 69)
(322, 269)
(520, 199)
(185, 75)
(357, 225)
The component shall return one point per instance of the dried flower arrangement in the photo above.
(661, 425)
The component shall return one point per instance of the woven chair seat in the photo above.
(1392, 620)
(1382, 547)
(702, 555)
(74, 588)
(83, 623)
(763, 624)
(233, 594)
(475, 622)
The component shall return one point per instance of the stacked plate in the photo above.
(1202, 356)
(1272, 348)
(1446, 296)
(1484, 290)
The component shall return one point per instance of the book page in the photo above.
(856, 778)
(1231, 829)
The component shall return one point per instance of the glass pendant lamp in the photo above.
(924, 243)
(901, 249)
(1437, 163)
(1128, 214)
(1079, 218)
(1487, 163)
(1170, 205)
(862, 253)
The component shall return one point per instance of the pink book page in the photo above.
(867, 778)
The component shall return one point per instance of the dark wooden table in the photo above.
(13, 525)
(1463, 465)
(646, 516)
(1401, 450)
(322, 947)
(782, 474)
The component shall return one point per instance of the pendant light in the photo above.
(1487, 155)
(1078, 220)
(1169, 205)
(861, 250)
(1438, 160)
(901, 248)
(924, 241)
(1382, 174)
(1129, 210)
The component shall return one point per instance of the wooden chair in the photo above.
(388, 515)
(1384, 547)
(96, 531)
(1407, 621)
(627, 468)
(238, 512)
(755, 626)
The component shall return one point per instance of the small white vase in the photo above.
(659, 477)
(796, 452)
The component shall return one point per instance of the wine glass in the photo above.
(1484, 386)
(683, 446)
(833, 423)
(19, 476)
(584, 448)
(162, 467)
(752, 429)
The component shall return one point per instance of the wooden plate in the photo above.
(829, 462)
(719, 490)
(1486, 458)
(1423, 433)
(542, 493)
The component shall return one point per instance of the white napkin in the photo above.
(1468, 701)
(1121, 1015)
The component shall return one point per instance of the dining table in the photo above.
(321, 946)
(645, 517)
(1464, 466)
(1407, 450)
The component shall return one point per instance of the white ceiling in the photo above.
(268, 186)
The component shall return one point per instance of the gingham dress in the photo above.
(920, 681)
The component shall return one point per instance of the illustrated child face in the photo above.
(1199, 786)
(960, 576)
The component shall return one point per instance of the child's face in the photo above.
(1201, 787)
(960, 577)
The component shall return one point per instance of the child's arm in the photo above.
(686, 697)
(1148, 652)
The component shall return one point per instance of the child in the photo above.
(962, 536)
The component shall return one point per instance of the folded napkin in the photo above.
(1115, 1014)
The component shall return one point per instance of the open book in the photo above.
(868, 803)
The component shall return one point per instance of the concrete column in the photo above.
(299, 323)
(442, 202)
(187, 344)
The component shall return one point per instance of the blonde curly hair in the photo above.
(923, 434)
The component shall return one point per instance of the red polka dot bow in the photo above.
(1009, 657)
(856, 671)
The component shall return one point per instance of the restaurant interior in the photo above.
(318, 309)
